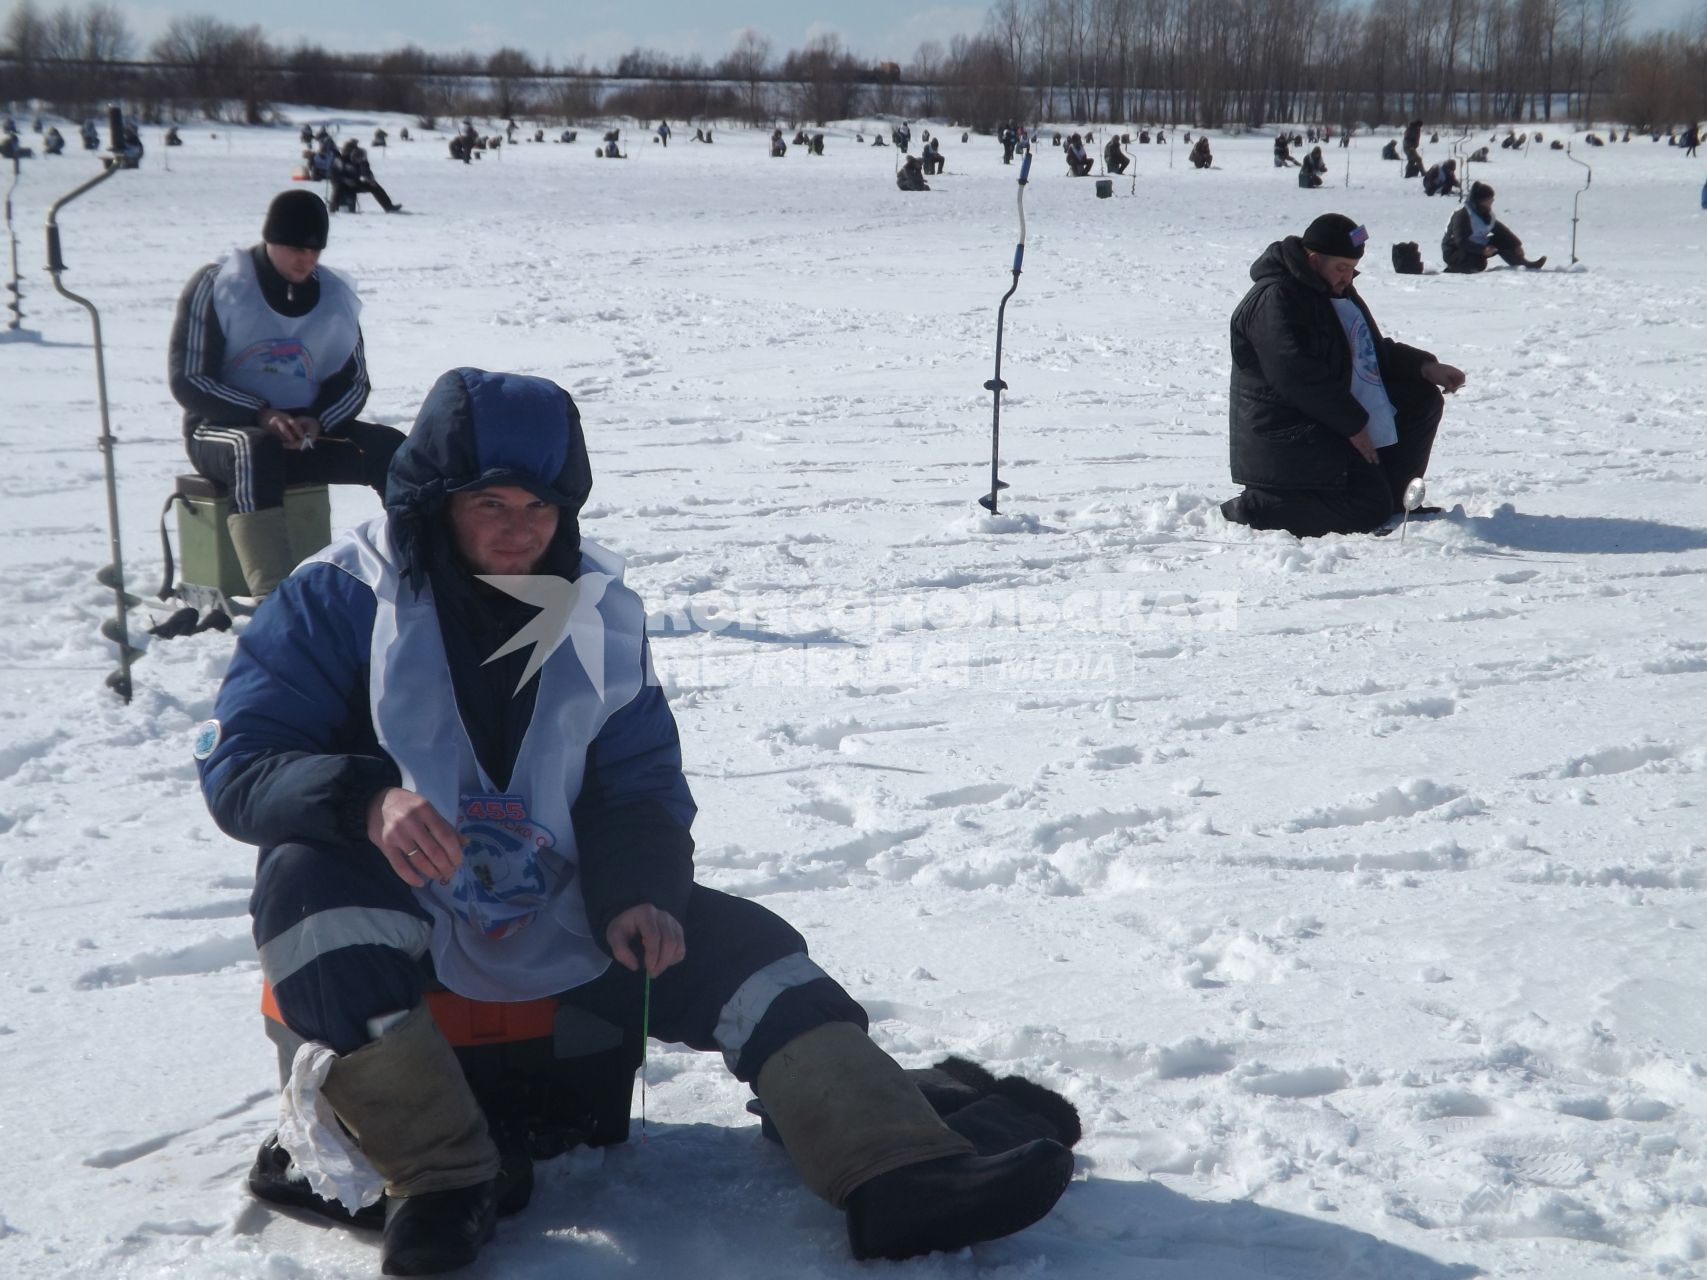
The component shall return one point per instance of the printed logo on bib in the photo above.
(287, 358)
(567, 610)
(1363, 357)
(501, 886)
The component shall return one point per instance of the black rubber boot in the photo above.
(951, 1202)
(515, 1169)
(437, 1231)
(274, 1178)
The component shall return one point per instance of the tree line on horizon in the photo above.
(1201, 63)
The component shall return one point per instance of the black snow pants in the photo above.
(1372, 493)
(1470, 259)
(254, 465)
(343, 940)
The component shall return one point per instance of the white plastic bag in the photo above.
(321, 1150)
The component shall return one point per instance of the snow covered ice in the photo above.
(1353, 890)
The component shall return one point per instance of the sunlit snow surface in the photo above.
(1352, 889)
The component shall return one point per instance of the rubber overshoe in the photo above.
(275, 1178)
(437, 1231)
(954, 1201)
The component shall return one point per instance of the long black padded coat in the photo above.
(1291, 408)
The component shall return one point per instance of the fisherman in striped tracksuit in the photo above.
(267, 361)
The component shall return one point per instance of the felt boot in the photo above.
(407, 1102)
(262, 542)
(864, 1138)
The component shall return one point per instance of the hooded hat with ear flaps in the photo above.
(477, 429)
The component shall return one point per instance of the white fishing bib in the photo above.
(1480, 227)
(1366, 384)
(282, 359)
(512, 924)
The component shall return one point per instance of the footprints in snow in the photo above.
(207, 956)
(847, 735)
(1611, 760)
(978, 793)
(1408, 799)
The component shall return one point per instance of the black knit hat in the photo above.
(1480, 193)
(296, 219)
(1335, 235)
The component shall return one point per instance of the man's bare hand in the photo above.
(1444, 376)
(1364, 445)
(418, 843)
(309, 427)
(286, 427)
(657, 933)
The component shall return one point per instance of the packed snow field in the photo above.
(1352, 889)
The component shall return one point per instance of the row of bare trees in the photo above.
(76, 58)
(1206, 62)
(1213, 62)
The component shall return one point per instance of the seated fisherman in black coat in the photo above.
(911, 175)
(1442, 179)
(1474, 235)
(1330, 421)
(1311, 171)
(1077, 161)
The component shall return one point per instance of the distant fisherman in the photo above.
(1474, 235)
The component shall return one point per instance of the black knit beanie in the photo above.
(1335, 235)
(296, 219)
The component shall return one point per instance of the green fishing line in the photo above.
(645, 1041)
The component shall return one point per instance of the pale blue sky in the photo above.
(599, 30)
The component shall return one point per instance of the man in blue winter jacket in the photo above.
(445, 736)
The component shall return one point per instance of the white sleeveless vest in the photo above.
(1480, 227)
(1366, 384)
(282, 359)
(512, 924)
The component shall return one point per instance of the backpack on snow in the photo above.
(1407, 258)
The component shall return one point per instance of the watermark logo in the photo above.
(567, 611)
(1488, 1199)
(1012, 637)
